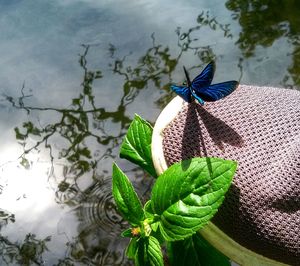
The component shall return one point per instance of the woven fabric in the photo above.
(260, 129)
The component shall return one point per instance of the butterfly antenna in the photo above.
(187, 77)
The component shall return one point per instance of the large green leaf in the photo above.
(189, 193)
(148, 252)
(126, 198)
(136, 146)
(195, 251)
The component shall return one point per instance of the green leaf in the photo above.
(148, 252)
(195, 251)
(189, 193)
(131, 250)
(127, 233)
(148, 209)
(136, 146)
(125, 197)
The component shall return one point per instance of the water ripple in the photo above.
(99, 209)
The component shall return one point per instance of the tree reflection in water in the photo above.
(81, 145)
(263, 22)
(28, 252)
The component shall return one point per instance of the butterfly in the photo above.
(201, 89)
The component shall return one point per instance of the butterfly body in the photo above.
(201, 89)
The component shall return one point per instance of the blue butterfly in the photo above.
(201, 89)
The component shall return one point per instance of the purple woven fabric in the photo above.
(260, 129)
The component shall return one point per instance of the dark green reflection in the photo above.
(84, 119)
(82, 126)
(28, 252)
(6, 217)
(265, 21)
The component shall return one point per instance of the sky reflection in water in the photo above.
(75, 72)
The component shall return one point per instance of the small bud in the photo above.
(135, 231)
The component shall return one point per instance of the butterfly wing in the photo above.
(204, 79)
(183, 92)
(217, 91)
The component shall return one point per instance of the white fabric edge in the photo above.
(165, 117)
(210, 232)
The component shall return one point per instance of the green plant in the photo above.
(183, 199)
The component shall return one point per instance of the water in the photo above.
(74, 73)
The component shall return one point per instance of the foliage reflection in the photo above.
(80, 128)
(26, 253)
(86, 145)
(263, 22)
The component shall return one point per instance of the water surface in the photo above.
(74, 73)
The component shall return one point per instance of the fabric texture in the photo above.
(259, 127)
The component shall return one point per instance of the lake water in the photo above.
(74, 72)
